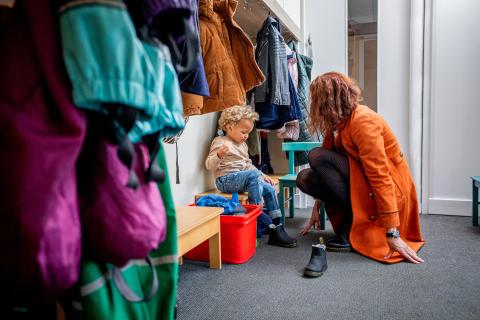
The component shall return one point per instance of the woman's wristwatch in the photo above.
(393, 234)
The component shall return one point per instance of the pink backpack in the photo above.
(119, 223)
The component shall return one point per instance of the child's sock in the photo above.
(263, 221)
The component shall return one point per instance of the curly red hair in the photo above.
(333, 98)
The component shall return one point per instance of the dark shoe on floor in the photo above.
(318, 262)
(279, 237)
(338, 244)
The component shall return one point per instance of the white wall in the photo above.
(452, 150)
(292, 7)
(325, 21)
(193, 148)
(394, 66)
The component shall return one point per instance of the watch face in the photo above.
(394, 234)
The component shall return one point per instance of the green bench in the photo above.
(289, 180)
(475, 202)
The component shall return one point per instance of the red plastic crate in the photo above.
(238, 237)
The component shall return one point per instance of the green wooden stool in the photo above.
(289, 180)
(475, 202)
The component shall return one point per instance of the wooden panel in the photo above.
(189, 218)
(215, 251)
(189, 240)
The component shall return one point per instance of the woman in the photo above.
(361, 175)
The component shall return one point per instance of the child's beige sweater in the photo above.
(236, 160)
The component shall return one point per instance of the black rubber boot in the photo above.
(279, 237)
(318, 262)
(340, 242)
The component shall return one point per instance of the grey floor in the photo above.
(271, 286)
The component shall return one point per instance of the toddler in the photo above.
(234, 171)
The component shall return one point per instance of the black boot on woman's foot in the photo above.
(279, 237)
(340, 242)
(318, 262)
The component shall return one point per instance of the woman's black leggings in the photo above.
(327, 179)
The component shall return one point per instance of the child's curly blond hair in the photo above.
(233, 115)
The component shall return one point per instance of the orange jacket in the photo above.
(382, 191)
(228, 58)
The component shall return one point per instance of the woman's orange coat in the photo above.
(382, 191)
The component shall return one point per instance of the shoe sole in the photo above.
(313, 274)
(292, 245)
(339, 249)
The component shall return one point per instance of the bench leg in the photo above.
(215, 252)
(281, 202)
(474, 205)
(291, 208)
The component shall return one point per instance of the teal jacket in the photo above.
(108, 64)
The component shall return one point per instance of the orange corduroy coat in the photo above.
(228, 58)
(382, 191)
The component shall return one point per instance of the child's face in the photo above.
(239, 132)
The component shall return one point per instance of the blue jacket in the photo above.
(165, 18)
(230, 207)
(272, 116)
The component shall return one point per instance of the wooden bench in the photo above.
(242, 197)
(197, 224)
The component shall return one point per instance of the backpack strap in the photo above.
(124, 119)
(154, 173)
(127, 292)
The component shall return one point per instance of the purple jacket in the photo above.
(41, 137)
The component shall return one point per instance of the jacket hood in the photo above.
(225, 8)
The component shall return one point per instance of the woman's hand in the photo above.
(269, 180)
(397, 244)
(314, 219)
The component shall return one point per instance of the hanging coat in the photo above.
(109, 65)
(97, 294)
(228, 59)
(271, 56)
(382, 191)
(273, 116)
(304, 66)
(175, 19)
(42, 133)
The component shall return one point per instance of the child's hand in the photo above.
(223, 151)
(269, 180)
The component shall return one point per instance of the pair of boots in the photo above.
(318, 260)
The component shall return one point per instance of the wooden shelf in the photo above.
(251, 14)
